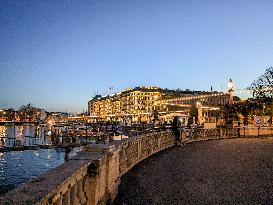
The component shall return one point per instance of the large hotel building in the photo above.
(140, 103)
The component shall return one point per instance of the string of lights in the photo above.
(193, 97)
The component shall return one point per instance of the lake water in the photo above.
(17, 167)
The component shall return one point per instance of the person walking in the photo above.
(176, 131)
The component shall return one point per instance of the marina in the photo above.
(28, 150)
(31, 137)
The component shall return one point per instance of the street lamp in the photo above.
(199, 109)
(231, 91)
(231, 85)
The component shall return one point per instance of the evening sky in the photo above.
(58, 54)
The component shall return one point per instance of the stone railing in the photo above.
(91, 177)
(256, 131)
(192, 135)
(139, 148)
(74, 182)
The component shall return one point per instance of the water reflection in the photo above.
(17, 167)
(26, 135)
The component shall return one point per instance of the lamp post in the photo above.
(231, 91)
(199, 109)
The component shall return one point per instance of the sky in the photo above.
(58, 54)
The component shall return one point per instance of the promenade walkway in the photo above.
(228, 171)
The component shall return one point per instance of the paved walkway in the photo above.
(230, 171)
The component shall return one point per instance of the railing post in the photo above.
(59, 201)
(66, 197)
(123, 158)
(74, 199)
(138, 148)
(80, 193)
(159, 141)
(183, 137)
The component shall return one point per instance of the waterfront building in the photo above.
(24, 114)
(7, 115)
(137, 103)
(141, 104)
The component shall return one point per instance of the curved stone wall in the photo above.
(93, 176)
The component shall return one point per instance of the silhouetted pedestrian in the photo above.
(176, 131)
(67, 153)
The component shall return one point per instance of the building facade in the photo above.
(140, 104)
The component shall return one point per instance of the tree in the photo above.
(28, 112)
(26, 107)
(193, 114)
(10, 114)
(263, 89)
(246, 108)
(229, 113)
(263, 86)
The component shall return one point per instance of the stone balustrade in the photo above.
(70, 183)
(191, 135)
(256, 131)
(139, 148)
(93, 176)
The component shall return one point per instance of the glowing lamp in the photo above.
(198, 104)
(230, 84)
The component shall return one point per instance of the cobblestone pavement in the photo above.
(230, 171)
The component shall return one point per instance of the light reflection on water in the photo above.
(17, 167)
